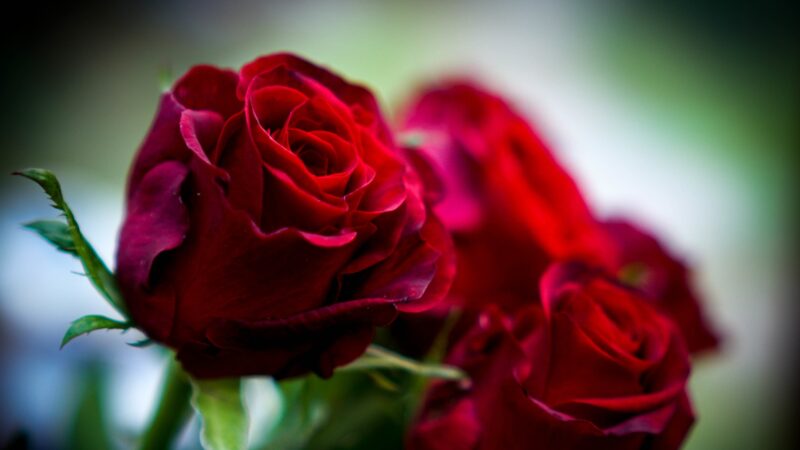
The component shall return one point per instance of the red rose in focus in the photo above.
(511, 207)
(593, 367)
(642, 262)
(271, 223)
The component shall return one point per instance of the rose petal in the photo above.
(458, 429)
(209, 88)
(164, 142)
(237, 156)
(200, 131)
(351, 94)
(666, 282)
(291, 206)
(157, 221)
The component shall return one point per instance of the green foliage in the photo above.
(146, 342)
(347, 411)
(55, 232)
(68, 237)
(364, 405)
(89, 424)
(225, 421)
(377, 357)
(87, 324)
(305, 411)
(172, 412)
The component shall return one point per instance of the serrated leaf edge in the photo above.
(107, 324)
(97, 272)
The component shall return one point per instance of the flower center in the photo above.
(315, 160)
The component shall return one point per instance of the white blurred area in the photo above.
(717, 211)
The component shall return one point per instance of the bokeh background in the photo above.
(685, 117)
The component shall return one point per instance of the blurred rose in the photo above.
(642, 262)
(271, 223)
(593, 367)
(510, 205)
(513, 210)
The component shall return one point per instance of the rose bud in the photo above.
(272, 224)
(593, 367)
(642, 262)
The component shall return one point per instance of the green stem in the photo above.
(172, 412)
(377, 357)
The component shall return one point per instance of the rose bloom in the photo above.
(272, 224)
(511, 207)
(593, 367)
(645, 264)
(513, 210)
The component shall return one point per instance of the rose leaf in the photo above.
(68, 237)
(54, 232)
(87, 324)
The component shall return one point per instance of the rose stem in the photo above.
(172, 412)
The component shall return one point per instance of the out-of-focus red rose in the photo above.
(510, 205)
(513, 210)
(272, 224)
(593, 367)
(642, 262)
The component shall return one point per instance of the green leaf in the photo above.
(55, 232)
(346, 411)
(225, 422)
(102, 278)
(377, 357)
(304, 410)
(146, 342)
(47, 181)
(87, 324)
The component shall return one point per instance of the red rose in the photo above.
(272, 224)
(593, 367)
(512, 208)
(642, 262)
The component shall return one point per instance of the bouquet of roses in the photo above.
(437, 284)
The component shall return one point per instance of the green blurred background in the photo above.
(683, 116)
